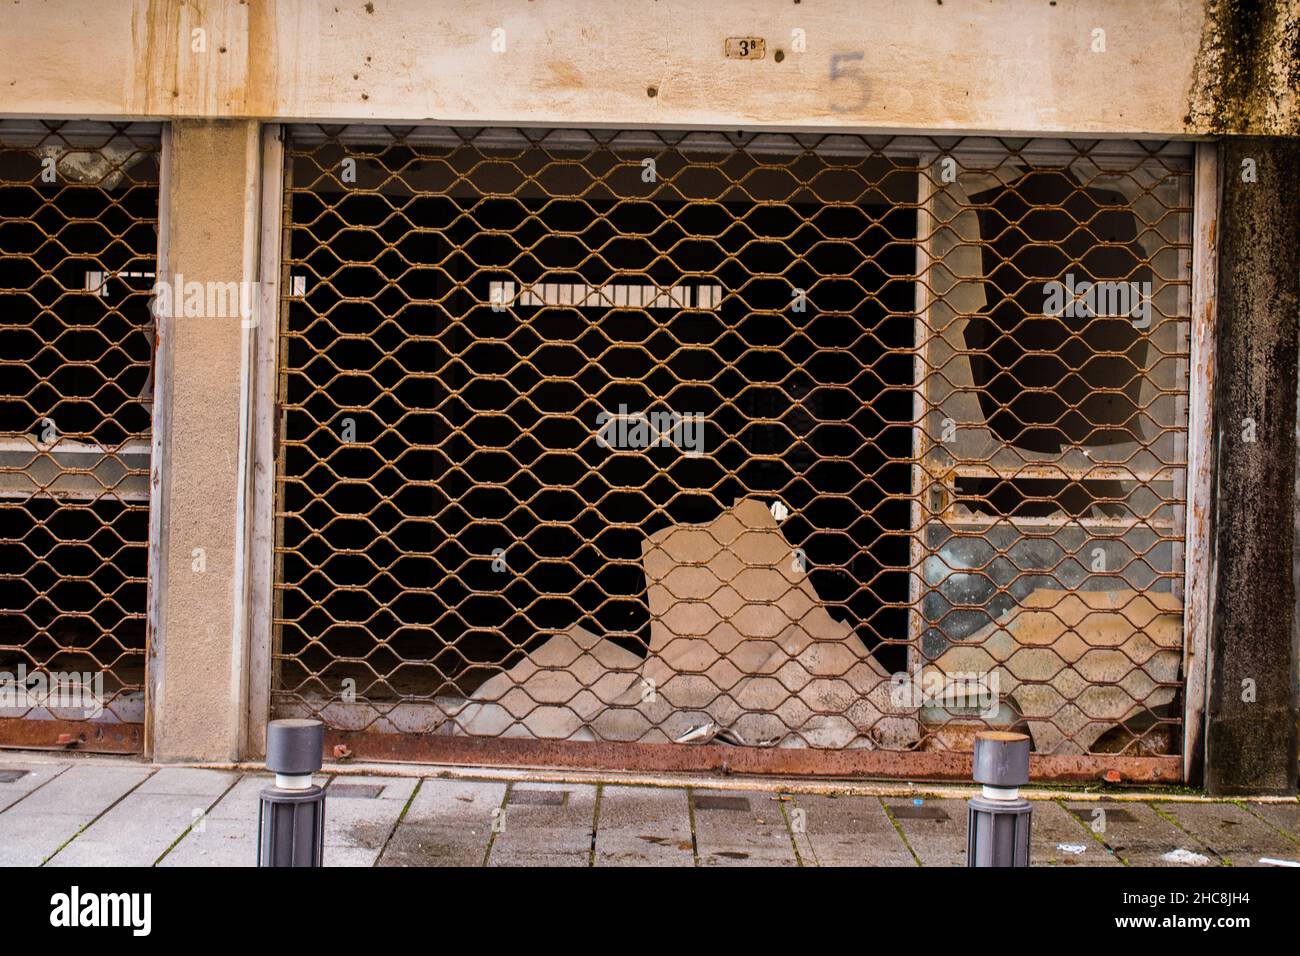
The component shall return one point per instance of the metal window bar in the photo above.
(78, 247)
(778, 451)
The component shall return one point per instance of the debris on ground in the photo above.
(1185, 857)
(740, 640)
(742, 651)
(554, 692)
(1078, 663)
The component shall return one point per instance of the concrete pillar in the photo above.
(198, 662)
(1251, 737)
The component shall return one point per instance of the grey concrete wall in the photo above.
(1252, 715)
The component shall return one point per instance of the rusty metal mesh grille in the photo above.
(771, 440)
(78, 244)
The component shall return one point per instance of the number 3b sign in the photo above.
(745, 48)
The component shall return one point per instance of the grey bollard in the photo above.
(291, 814)
(997, 821)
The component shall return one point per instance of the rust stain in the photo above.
(261, 68)
(85, 736)
(563, 75)
(152, 88)
(235, 77)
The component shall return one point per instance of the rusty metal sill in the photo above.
(716, 758)
(77, 736)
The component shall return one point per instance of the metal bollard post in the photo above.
(997, 822)
(291, 814)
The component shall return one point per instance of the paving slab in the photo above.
(740, 828)
(31, 830)
(71, 812)
(350, 856)
(1059, 838)
(1141, 837)
(17, 780)
(644, 826)
(188, 782)
(227, 834)
(360, 814)
(1284, 816)
(1232, 832)
(449, 823)
(141, 827)
(546, 825)
(935, 829)
(845, 831)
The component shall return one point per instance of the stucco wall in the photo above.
(1154, 67)
(197, 677)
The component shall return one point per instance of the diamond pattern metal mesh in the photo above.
(78, 244)
(774, 440)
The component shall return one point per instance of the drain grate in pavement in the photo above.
(355, 791)
(707, 802)
(910, 811)
(538, 798)
(12, 776)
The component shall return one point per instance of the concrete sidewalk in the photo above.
(76, 812)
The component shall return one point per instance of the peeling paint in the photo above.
(1247, 74)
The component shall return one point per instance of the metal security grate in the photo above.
(78, 245)
(790, 443)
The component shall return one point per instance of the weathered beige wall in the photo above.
(198, 674)
(971, 65)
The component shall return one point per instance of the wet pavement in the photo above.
(82, 813)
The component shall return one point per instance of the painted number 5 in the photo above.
(842, 72)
